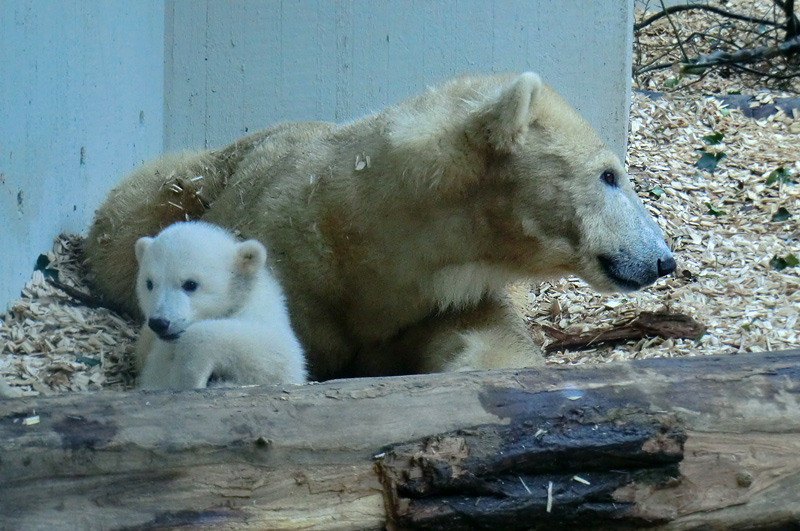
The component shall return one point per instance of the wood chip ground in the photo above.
(724, 280)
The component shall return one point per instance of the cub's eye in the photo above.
(189, 286)
(609, 177)
(149, 285)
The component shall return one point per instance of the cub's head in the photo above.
(558, 198)
(193, 271)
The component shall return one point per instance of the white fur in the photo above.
(234, 326)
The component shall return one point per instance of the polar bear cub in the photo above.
(213, 311)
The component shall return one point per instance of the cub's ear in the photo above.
(141, 246)
(503, 120)
(250, 257)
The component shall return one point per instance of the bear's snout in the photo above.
(160, 326)
(666, 266)
(629, 274)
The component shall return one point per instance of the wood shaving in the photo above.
(724, 278)
(51, 346)
(31, 421)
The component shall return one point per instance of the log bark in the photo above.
(690, 443)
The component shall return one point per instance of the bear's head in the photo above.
(191, 272)
(560, 198)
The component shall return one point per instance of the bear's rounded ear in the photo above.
(250, 257)
(141, 246)
(507, 116)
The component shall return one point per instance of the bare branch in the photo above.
(671, 23)
(748, 55)
(86, 299)
(792, 24)
(752, 55)
(767, 74)
(723, 40)
(648, 324)
(651, 67)
(701, 7)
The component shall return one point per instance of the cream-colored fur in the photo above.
(212, 311)
(394, 235)
(174, 187)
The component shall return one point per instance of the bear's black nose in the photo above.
(159, 326)
(666, 266)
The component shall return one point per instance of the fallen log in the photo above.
(690, 443)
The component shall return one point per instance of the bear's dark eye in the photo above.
(189, 286)
(609, 177)
(149, 285)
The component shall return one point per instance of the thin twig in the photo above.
(677, 33)
(651, 67)
(753, 55)
(792, 22)
(701, 7)
(766, 74)
(86, 299)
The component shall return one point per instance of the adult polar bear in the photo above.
(394, 236)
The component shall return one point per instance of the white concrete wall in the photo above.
(240, 66)
(88, 89)
(81, 102)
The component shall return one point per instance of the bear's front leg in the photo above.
(491, 335)
(190, 370)
(202, 349)
(156, 368)
(237, 352)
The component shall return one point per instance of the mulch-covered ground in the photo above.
(734, 233)
(734, 230)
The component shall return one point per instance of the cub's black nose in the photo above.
(159, 326)
(666, 266)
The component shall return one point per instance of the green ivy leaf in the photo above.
(671, 82)
(779, 263)
(708, 161)
(781, 215)
(716, 212)
(89, 362)
(778, 175)
(713, 140)
(656, 192)
(41, 265)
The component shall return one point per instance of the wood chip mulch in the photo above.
(52, 344)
